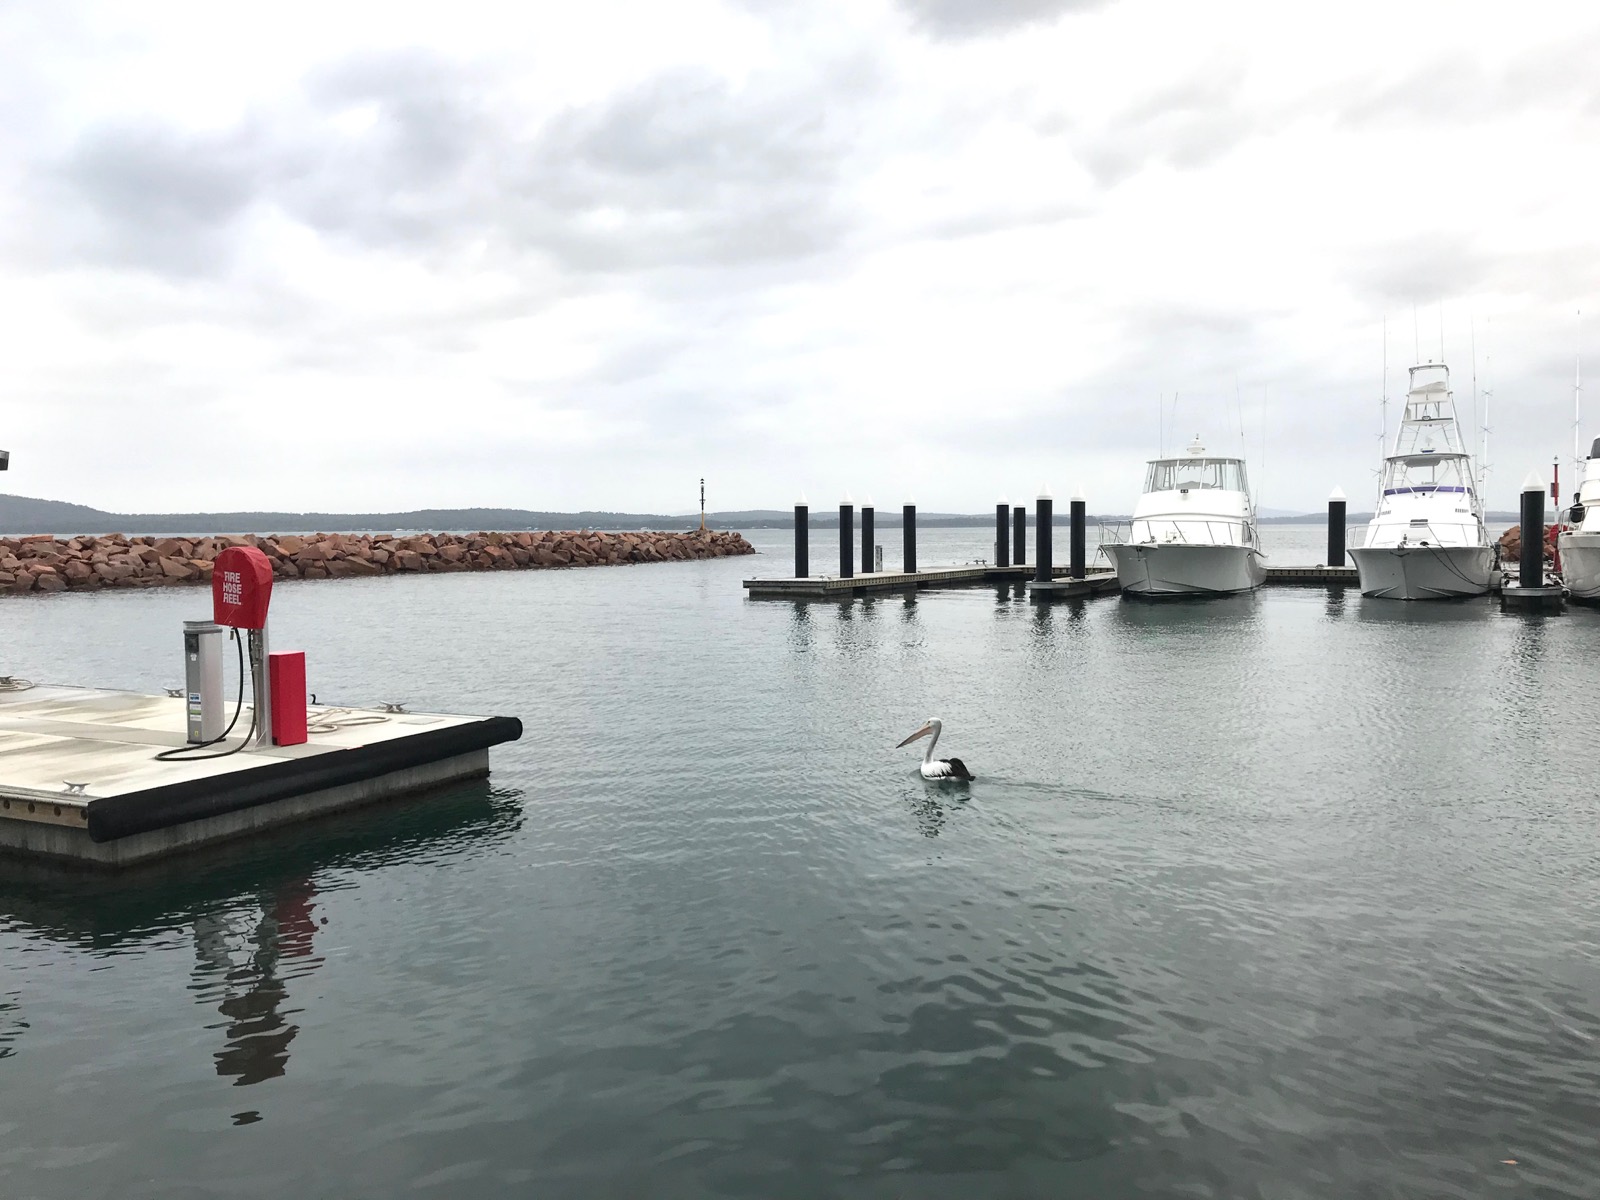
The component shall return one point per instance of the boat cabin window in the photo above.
(1175, 474)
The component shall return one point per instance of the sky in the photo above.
(380, 256)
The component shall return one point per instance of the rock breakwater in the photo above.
(48, 564)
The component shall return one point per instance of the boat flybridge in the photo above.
(1193, 531)
(1580, 544)
(1427, 539)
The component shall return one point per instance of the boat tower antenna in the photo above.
(1416, 334)
(1263, 477)
(1472, 346)
(1488, 395)
(1441, 331)
(1238, 404)
(1383, 390)
(1161, 425)
(1577, 408)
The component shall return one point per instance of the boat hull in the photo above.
(1424, 572)
(1178, 569)
(1580, 564)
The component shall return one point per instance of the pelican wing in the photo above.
(946, 768)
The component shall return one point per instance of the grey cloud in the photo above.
(977, 18)
(1187, 126)
(1421, 270)
(152, 197)
(681, 170)
(1425, 270)
(685, 170)
(1457, 89)
(415, 176)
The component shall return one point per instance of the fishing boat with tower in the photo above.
(1427, 539)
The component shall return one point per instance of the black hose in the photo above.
(187, 753)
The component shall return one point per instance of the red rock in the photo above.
(408, 560)
(340, 568)
(361, 566)
(50, 583)
(78, 571)
(290, 544)
(173, 569)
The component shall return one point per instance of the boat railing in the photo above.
(1115, 533)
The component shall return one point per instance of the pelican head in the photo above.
(933, 726)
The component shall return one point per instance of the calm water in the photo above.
(1288, 895)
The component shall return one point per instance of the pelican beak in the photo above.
(923, 732)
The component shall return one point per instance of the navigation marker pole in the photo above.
(802, 538)
(869, 535)
(847, 533)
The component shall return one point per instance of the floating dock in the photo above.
(80, 781)
(1063, 584)
(833, 587)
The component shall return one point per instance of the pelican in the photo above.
(937, 768)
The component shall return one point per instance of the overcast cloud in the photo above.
(379, 256)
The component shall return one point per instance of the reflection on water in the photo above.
(249, 908)
(12, 1023)
(1177, 612)
(932, 804)
(253, 980)
(1375, 610)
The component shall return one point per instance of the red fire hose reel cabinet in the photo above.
(241, 587)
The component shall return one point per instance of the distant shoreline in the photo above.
(23, 516)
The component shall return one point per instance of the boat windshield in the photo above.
(1427, 472)
(1175, 474)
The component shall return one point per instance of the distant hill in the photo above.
(20, 515)
(25, 515)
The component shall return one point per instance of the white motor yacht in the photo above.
(1427, 539)
(1580, 545)
(1193, 531)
